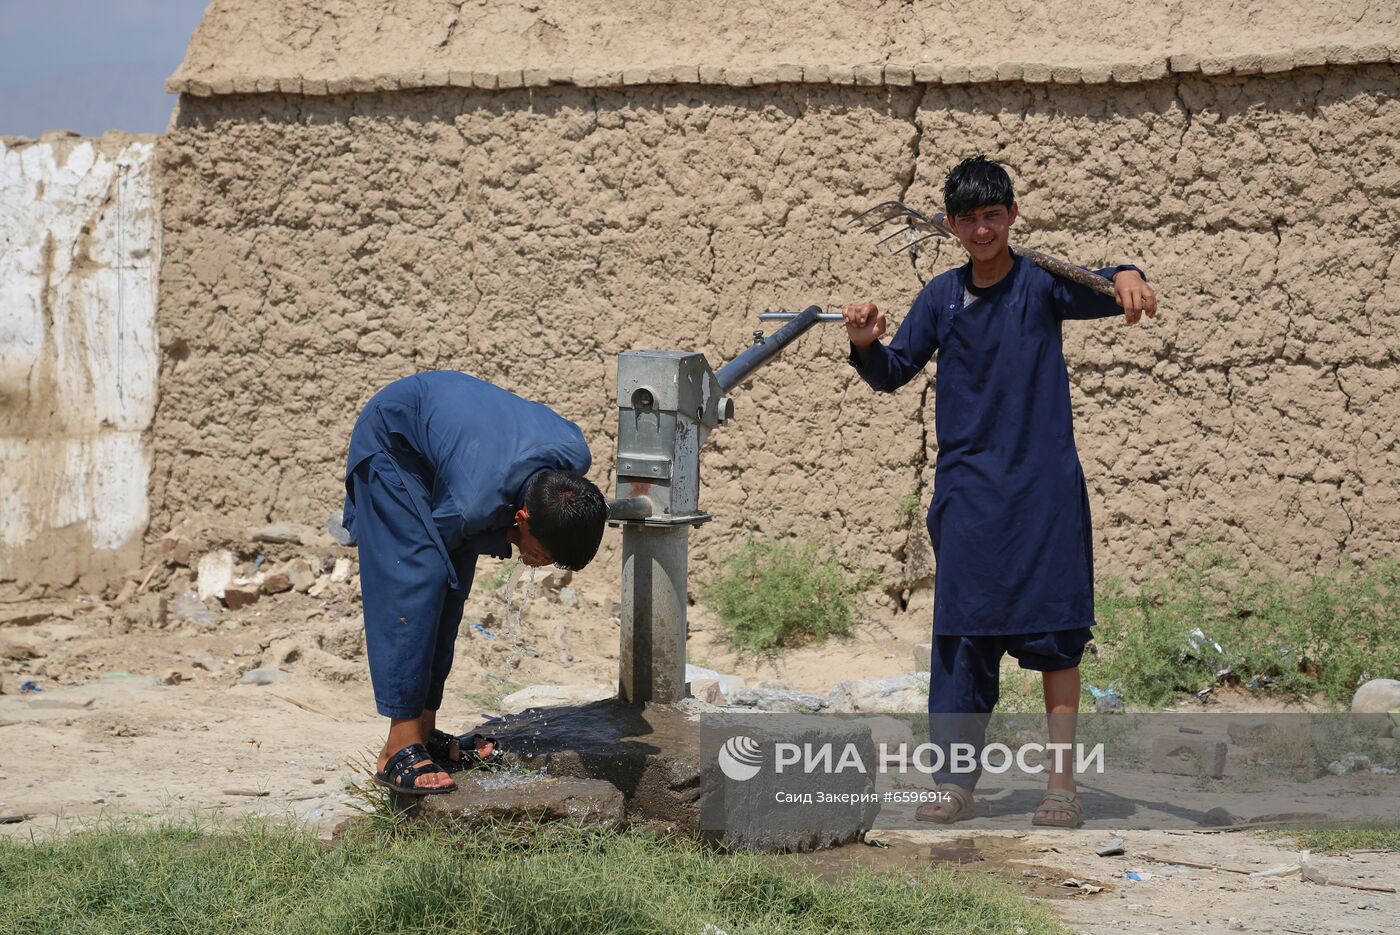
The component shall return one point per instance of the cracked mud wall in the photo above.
(319, 247)
(78, 357)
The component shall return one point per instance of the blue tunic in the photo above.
(465, 450)
(1009, 521)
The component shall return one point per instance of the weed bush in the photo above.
(1326, 635)
(776, 595)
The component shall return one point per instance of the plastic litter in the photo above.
(337, 531)
(1197, 639)
(1112, 846)
(1140, 876)
(1106, 699)
(478, 627)
(27, 688)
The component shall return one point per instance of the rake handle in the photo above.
(1053, 265)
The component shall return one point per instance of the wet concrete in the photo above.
(651, 756)
(648, 754)
(513, 796)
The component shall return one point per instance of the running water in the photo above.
(515, 613)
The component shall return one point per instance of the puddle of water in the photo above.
(507, 779)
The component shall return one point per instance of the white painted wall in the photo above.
(79, 256)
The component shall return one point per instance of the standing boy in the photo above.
(1009, 522)
(444, 467)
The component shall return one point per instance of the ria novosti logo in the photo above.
(740, 758)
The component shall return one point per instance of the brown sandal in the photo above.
(942, 812)
(1057, 800)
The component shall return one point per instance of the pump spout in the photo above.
(630, 508)
(735, 372)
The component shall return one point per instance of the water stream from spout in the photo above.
(514, 613)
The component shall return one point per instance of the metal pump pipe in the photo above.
(758, 354)
(668, 402)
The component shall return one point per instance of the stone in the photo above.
(301, 575)
(650, 753)
(549, 696)
(1188, 756)
(126, 593)
(16, 651)
(329, 667)
(568, 597)
(1350, 763)
(25, 617)
(513, 796)
(151, 610)
(708, 691)
(278, 582)
(215, 574)
(188, 608)
(901, 694)
(777, 700)
(729, 684)
(290, 533)
(923, 657)
(208, 663)
(240, 596)
(263, 676)
(1377, 696)
(1218, 817)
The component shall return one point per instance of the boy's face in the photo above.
(985, 231)
(531, 552)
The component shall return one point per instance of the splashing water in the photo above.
(515, 613)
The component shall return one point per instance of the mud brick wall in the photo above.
(317, 247)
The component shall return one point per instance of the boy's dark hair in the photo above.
(567, 515)
(975, 183)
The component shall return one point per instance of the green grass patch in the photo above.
(1340, 839)
(1326, 635)
(558, 880)
(780, 595)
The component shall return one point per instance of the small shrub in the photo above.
(1325, 636)
(909, 509)
(776, 595)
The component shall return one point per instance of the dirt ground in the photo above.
(136, 719)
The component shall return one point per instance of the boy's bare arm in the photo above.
(1133, 294)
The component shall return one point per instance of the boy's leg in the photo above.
(403, 585)
(1056, 656)
(964, 684)
(449, 622)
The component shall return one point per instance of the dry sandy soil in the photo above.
(109, 735)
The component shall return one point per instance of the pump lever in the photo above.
(789, 316)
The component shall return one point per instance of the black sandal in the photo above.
(400, 774)
(440, 743)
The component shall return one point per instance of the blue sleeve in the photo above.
(887, 368)
(1073, 302)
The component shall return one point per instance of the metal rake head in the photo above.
(918, 226)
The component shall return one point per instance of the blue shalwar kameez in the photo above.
(439, 462)
(1009, 521)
